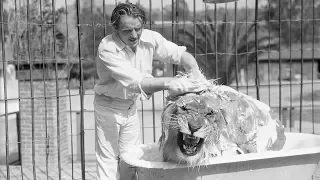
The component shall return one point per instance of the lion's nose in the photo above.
(193, 128)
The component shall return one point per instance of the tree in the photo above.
(288, 18)
(5, 20)
(92, 32)
(36, 31)
(182, 11)
(226, 47)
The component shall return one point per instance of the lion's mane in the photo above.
(216, 122)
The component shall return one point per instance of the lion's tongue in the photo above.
(190, 147)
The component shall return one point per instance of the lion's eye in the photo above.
(184, 108)
(211, 113)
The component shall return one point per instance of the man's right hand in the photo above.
(183, 85)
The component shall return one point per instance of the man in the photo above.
(124, 66)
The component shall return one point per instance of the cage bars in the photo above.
(31, 91)
(69, 92)
(81, 93)
(280, 64)
(302, 61)
(236, 45)
(257, 48)
(17, 46)
(45, 90)
(290, 47)
(247, 49)
(312, 76)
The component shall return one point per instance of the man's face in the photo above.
(130, 29)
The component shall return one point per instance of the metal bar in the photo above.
(280, 65)
(94, 36)
(176, 40)
(142, 108)
(172, 21)
(312, 71)
(236, 44)
(174, 67)
(257, 47)
(153, 102)
(81, 89)
(9, 113)
(269, 48)
(226, 44)
(18, 120)
(69, 91)
(19, 95)
(44, 87)
(32, 93)
(142, 114)
(5, 89)
(247, 49)
(290, 47)
(206, 36)
(302, 62)
(162, 30)
(216, 40)
(184, 21)
(57, 86)
(194, 29)
(162, 22)
(104, 17)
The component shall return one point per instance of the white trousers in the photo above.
(117, 128)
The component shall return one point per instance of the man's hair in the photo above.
(127, 9)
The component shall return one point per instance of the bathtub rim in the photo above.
(127, 156)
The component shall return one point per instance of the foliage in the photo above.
(181, 11)
(290, 15)
(39, 37)
(224, 48)
(93, 30)
(5, 20)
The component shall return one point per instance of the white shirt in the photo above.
(120, 70)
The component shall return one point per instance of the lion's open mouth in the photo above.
(189, 145)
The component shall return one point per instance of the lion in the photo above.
(218, 121)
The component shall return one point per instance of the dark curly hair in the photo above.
(127, 9)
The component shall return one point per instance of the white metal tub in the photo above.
(297, 161)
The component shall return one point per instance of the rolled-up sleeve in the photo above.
(165, 50)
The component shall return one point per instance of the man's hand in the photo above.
(184, 84)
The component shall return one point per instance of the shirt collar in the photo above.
(120, 44)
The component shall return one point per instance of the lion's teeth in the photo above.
(184, 146)
(184, 136)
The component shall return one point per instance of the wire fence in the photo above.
(267, 49)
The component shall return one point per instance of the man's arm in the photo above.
(190, 64)
(170, 52)
(152, 85)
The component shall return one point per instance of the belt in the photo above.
(124, 104)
